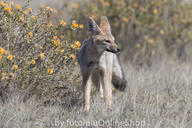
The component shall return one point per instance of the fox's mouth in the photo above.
(113, 51)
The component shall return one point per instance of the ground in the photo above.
(155, 97)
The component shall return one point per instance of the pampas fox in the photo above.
(99, 63)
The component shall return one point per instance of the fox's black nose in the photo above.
(118, 49)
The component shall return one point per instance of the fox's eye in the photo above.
(108, 41)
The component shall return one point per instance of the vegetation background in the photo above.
(40, 84)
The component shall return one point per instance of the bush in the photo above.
(36, 55)
(143, 28)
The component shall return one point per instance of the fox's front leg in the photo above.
(107, 89)
(86, 91)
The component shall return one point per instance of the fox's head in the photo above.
(103, 39)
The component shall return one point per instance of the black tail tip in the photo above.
(120, 86)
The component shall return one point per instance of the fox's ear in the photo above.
(104, 25)
(93, 28)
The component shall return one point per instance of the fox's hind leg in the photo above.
(96, 78)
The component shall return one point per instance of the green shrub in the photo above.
(35, 54)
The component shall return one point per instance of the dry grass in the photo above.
(160, 97)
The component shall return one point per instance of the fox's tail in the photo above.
(118, 82)
(118, 77)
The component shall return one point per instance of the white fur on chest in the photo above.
(106, 60)
(116, 67)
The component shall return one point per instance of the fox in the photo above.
(99, 63)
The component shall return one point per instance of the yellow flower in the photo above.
(42, 55)
(62, 50)
(75, 25)
(73, 46)
(33, 62)
(73, 56)
(7, 9)
(40, 47)
(62, 22)
(107, 3)
(55, 37)
(74, 6)
(2, 51)
(81, 26)
(15, 67)
(76, 63)
(3, 4)
(21, 18)
(49, 9)
(78, 44)
(125, 19)
(1, 57)
(50, 71)
(155, 11)
(138, 45)
(34, 18)
(18, 7)
(10, 57)
(30, 34)
(30, 10)
(62, 36)
(135, 4)
(25, 12)
(150, 41)
(56, 42)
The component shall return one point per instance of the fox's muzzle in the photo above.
(113, 50)
(118, 49)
